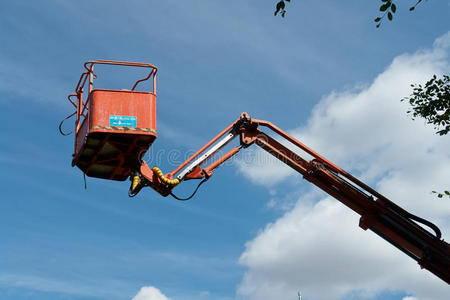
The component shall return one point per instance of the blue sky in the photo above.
(216, 59)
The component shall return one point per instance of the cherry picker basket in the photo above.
(113, 128)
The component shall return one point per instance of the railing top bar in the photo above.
(120, 63)
(81, 82)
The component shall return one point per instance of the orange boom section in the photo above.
(113, 128)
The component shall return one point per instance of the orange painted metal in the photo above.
(208, 171)
(378, 213)
(107, 148)
(153, 180)
(104, 103)
(201, 150)
(113, 128)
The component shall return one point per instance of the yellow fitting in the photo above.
(135, 182)
(163, 178)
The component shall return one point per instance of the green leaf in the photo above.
(378, 25)
(393, 8)
(280, 6)
(447, 193)
(431, 102)
(385, 6)
(389, 16)
(411, 8)
(440, 195)
(377, 19)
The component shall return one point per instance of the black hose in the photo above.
(62, 122)
(436, 229)
(195, 191)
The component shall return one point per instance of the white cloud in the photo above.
(262, 168)
(149, 293)
(319, 248)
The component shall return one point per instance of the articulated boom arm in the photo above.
(378, 213)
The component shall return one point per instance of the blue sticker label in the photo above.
(125, 121)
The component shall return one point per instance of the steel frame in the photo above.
(399, 227)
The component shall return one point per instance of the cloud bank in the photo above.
(150, 293)
(317, 247)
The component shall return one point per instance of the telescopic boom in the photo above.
(399, 227)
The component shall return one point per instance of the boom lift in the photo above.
(113, 151)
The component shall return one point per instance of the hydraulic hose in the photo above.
(134, 182)
(164, 179)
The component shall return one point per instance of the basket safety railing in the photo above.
(81, 106)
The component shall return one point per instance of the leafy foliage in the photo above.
(432, 102)
(388, 8)
(440, 195)
(280, 8)
(414, 7)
